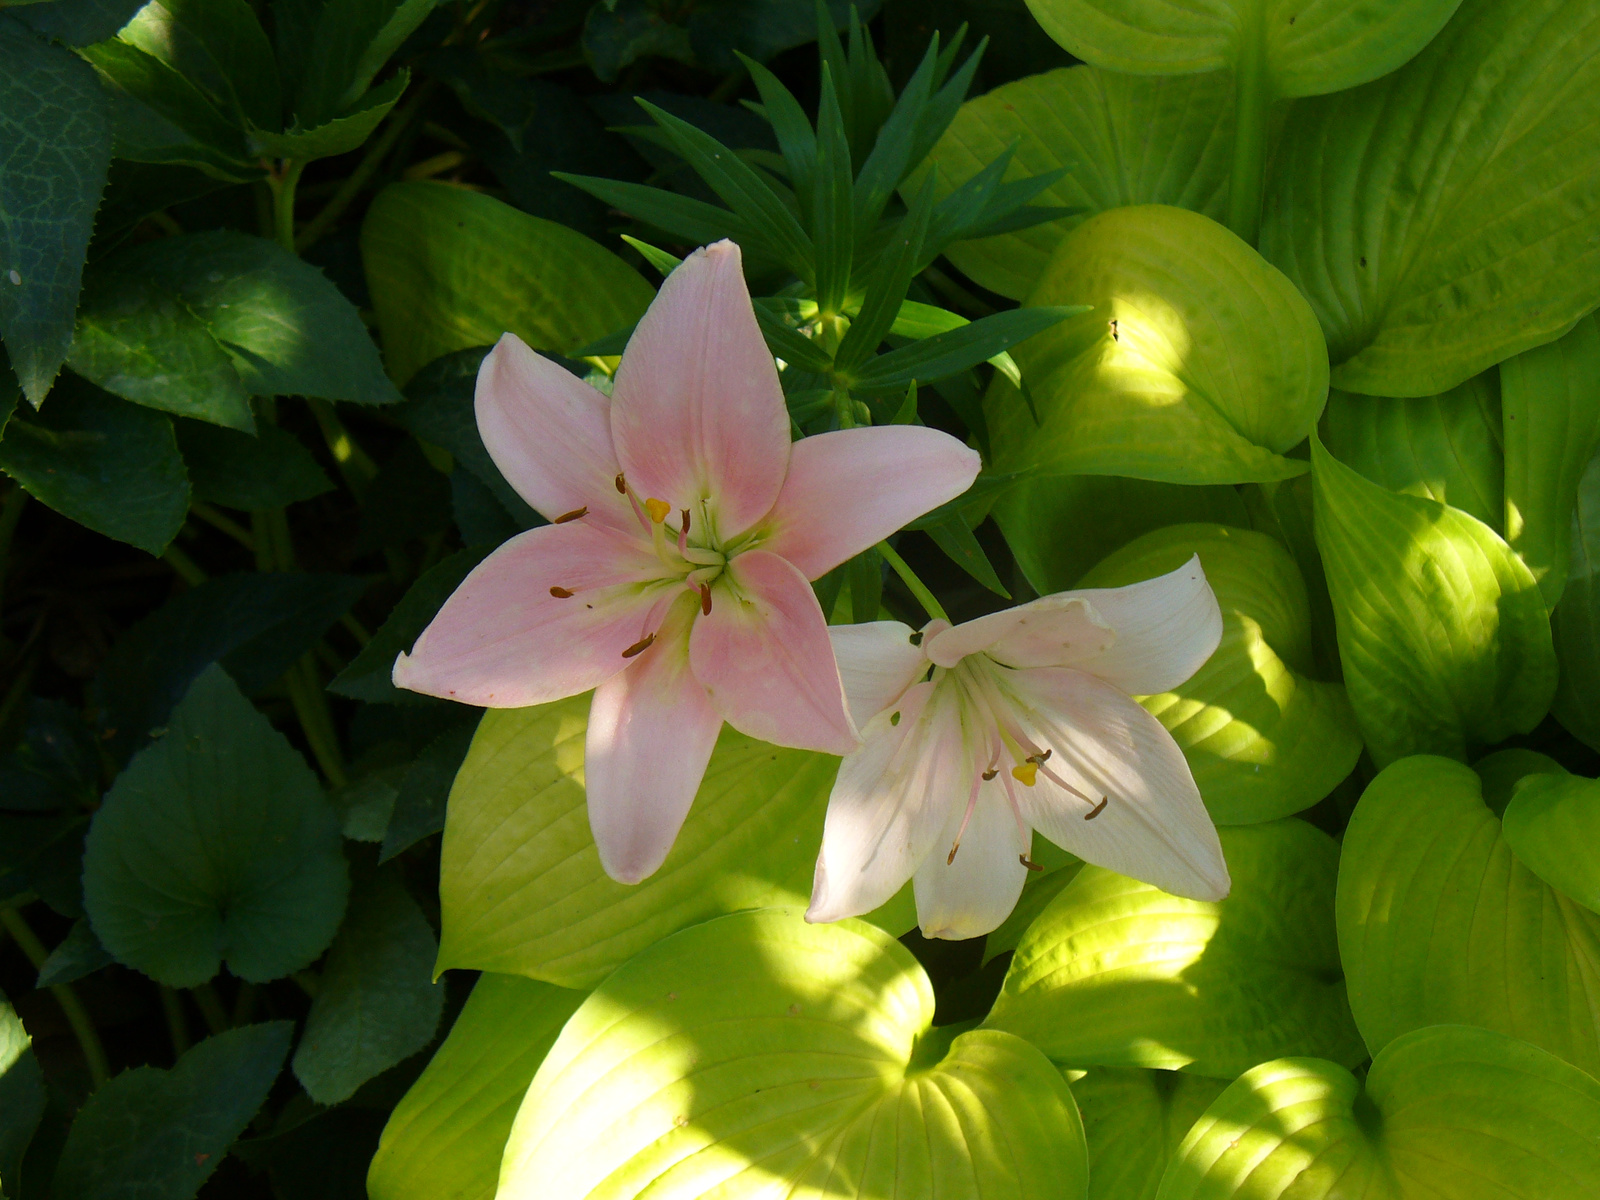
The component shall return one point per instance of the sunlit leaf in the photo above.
(1552, 824)
(1133, 1121)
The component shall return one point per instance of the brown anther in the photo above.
(561, 593)
(952, 856)
(1025, 861)
(572, 516)
(705, 600)
(640, 646)
(1041, 758)
(685, 512)
(990, 774)
(1098, 809)
(622, 484)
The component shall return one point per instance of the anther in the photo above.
(560, 593)
(572, 516)
(952, 857)
(1041, 758)
(658, 510)
(1025, 861)
(640, 646)
(622, 484)
(685, 513)
(1026, 772)
(1098, 808)
(990, 774)
(705, 600)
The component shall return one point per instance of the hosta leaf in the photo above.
(1133, 1121)
(1552, 825)
(1303, 49)
(215, 845)
(1447, 217)
(1440, 922)
(1116, 973)
(450, 269)
(1575, 624)
(1447, 1113)
(521, 889)
(758, 1053)
(1444, 448)
(1501, 772)
(447, 1134)
(1551, 402)
(22, 1096)
(1128, 140)
(1262, 739)
(1443, 634)
(1199, 364)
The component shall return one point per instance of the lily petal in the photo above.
(889, 804)
(852, 488)
(1154, 826)
(973, 893)
(550, 434)
(1034, 634)
(697, 411)
(504, 640)
(877, 663)
(764, 655)
(651, 733)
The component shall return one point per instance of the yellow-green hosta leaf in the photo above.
(1444, 448)
(1133, 1120)
(1127, 140)
(520, 885)
(1303, 49)
(1501, 771)
(1262, 739)
(758, 1055)
(1440, 922)
(1552, 825)
(1445, 217)
(1116, 973)
(445, 1138)
(1199, 363)
(1443, 634)
(1447, 1113)
(1575, 624)
(449, 269)
(1552, 425)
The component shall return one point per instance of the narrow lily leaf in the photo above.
(447, 1134)
(955, 537)
(897, 264)
(1575, 624)
(663, 262)
(787, 343)
(1134, 1121)
(789, 124)
(1551, 402)
(693, 220)
(756, 1048)
(1128, 139)
(1551, 824)
(1444, 448)
(1447, 1113)
(1117, 973)
(891, 152)
(832, 203)
(1421, 287)
(1444, 637)
(1263, 739)
(949, 353)
(1199, 363)
(1435, 910)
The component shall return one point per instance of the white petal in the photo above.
(1154, 826)
(890, 803)
(1036, 634)
(974, 893)
(877, 663)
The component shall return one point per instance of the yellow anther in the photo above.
(1026, 773)
(658, 510)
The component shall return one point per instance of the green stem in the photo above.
(355, 629)
(225, 523)
(354, 463)
(10, 513)
(94, 1053)
(929, 602)
(210, 1004)
(177, 1026)
(316, 721)
(244, 1004)
(1252, 100)
(283, 189)
(187, 569)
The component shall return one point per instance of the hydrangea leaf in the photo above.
(1199, 363)
(1443, 634)
(1262, 738)
(757, 1052)
(1117, 973)
(1440, 922)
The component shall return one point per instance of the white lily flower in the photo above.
(976, 735)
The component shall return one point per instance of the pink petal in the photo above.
(890, 803)
(503, 640)
(763, 653)
(651, 732)
(972, 894)
(550, 434)
(877, 663)
(851, 489)
(697, 413)
(1145, 638)
(1154, 826)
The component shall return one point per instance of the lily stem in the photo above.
(930, 603)
(94, 1052)
(177, 1026)
(283, 189)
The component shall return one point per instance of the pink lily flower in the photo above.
(976, 735)
(673, 576)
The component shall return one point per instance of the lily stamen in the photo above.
(640, 646)
(705, 600)
(1098, 808)
(561, 593)
(571, 516)
(1029, 863)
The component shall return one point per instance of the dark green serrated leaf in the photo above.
(353, 39)
(77, 22)
(79, 954)
(107, 464)
(55, 147)
(216, 845)
(337, 136)
(161, 1134)
(947, 353)
(217, 45)
(270, 470)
